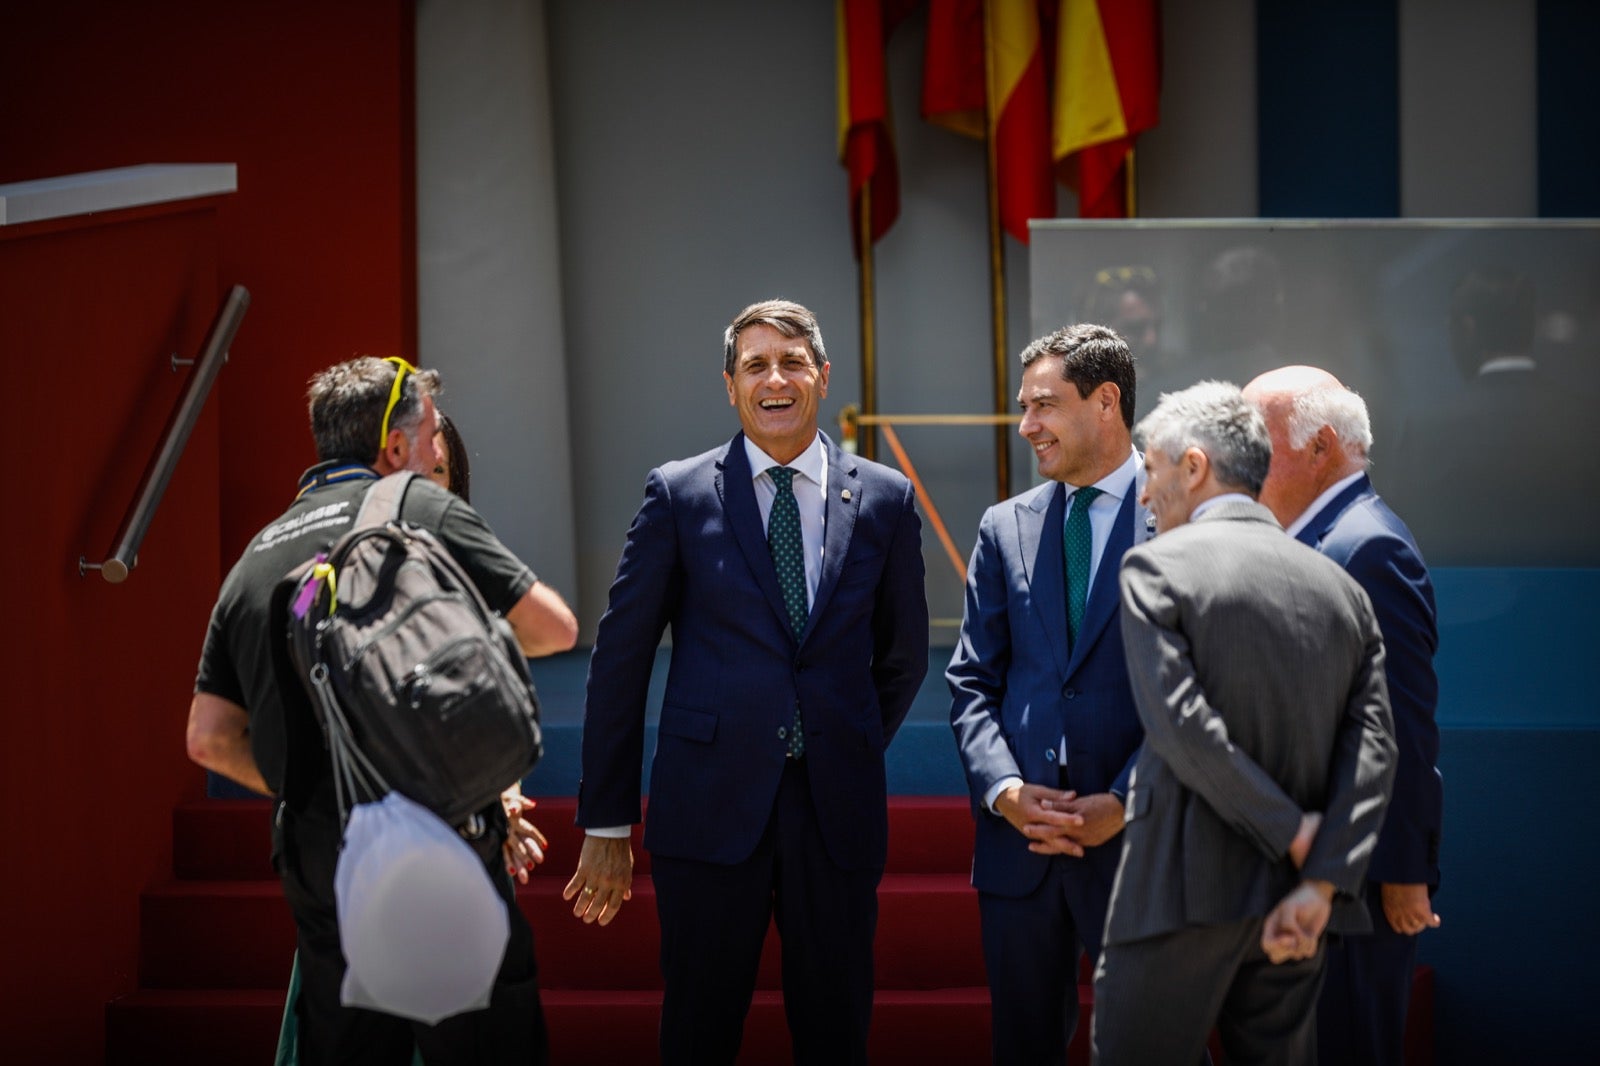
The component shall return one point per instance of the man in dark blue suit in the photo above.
(791, 575)
(1042, 711)
(1319, 490)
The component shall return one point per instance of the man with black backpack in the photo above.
(252, 722)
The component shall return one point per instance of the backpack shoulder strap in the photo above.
(381, 504)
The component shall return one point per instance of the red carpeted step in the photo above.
(231, 840)
(928, 933)
(930, 835)
(927, 938)
(238, 934)
(177, 1028)
(216, 945)
(193, 1026)
(215, 934)
(620, 1027)
(948, 1025)
(1419, 1019)
(222, 840)
(622, 955)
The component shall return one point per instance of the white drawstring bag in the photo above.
(422, 927)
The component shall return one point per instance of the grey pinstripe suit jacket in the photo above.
(1257, 670)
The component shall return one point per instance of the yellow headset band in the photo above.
(402, 368)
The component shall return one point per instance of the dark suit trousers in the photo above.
(1031, 948)
(714, 920)
(1155, 1000)
(1361, 1017)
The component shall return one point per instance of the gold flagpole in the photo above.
(867, 442)
(1133, 205)
(997, 271)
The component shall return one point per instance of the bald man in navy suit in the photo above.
(1318, 489)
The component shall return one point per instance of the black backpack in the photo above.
(419, 687)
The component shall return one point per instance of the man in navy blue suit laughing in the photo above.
(790, 574)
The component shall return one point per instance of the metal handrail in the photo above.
(125, 556)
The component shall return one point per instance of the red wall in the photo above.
(91, 754)
(313, 101)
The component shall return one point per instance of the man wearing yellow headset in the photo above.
(249, 720)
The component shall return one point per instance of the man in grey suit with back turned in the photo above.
(1043, 717)
(1257, 669)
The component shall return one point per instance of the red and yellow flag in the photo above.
(866, 146)
(1019, 115)
(1107, 90)
(953, 90)
(985, 58)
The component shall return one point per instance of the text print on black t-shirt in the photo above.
(332, 514)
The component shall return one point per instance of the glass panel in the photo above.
(1475, 344)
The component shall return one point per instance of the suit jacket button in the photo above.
(782, 733)
(1070, 693)
(1050, 755)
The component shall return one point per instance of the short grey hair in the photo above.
(348, 402)
(1215, 417)
(1337, 407)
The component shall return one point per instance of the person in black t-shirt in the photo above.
(250, 721)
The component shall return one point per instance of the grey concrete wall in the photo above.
(489, 272)
(1200, 161)
(1467, 100)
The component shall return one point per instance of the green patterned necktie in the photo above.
(788, 555)
(1078, 543)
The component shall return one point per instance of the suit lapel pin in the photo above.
(844, 494)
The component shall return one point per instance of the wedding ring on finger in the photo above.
(588, 891)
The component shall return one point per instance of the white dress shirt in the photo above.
(1322, 501)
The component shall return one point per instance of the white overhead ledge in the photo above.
(112, 190)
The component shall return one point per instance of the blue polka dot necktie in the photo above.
(1078, 543)
(788, 555)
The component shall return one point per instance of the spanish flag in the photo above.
(865, 145)
(953, 90)
(1019, 115)
(985, 57)
(1107, 90)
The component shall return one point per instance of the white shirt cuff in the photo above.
(611, 832)
(994, 792)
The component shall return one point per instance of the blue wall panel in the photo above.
(1514, 958)
(1328, 108)
(1569, 121)
(1517, 647)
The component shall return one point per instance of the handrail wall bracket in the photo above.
(125, 556)
(172, 358)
